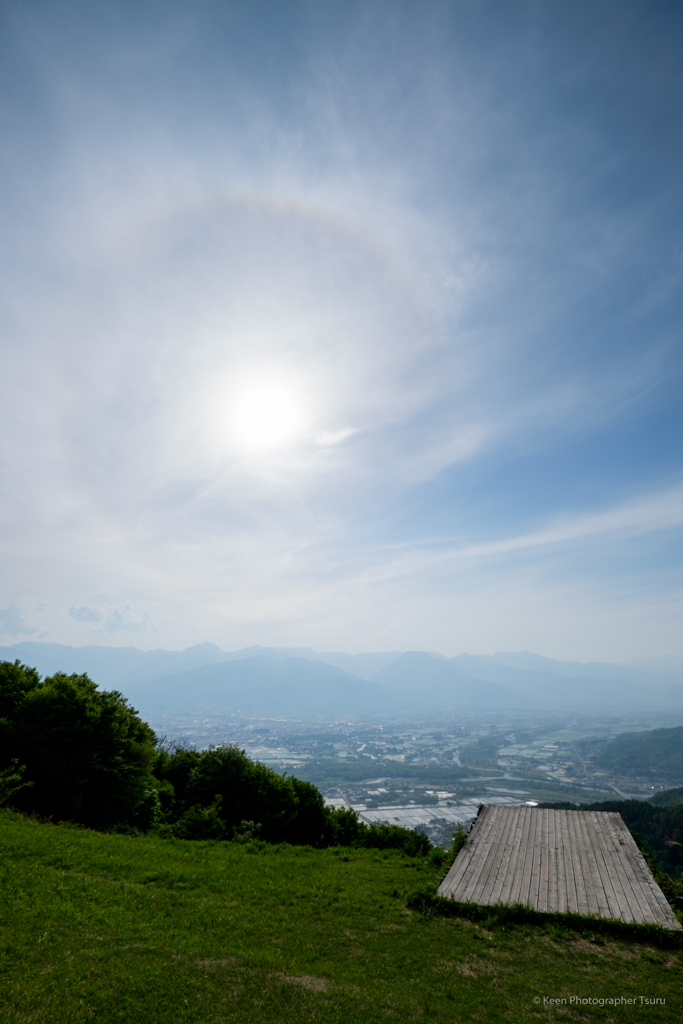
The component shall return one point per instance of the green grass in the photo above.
(142, 930)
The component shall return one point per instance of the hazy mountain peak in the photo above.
(665, 664)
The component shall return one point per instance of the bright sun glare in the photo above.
(266, 415)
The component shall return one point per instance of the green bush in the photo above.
(345, 826)
(347, 829)
(11, 780)
(247, 831)
(288, 809)
(175, 771)
(90, 759)
(393, 837)
(86, 752)
(201, 823)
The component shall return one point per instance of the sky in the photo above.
(350, 325)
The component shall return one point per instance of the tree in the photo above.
(287, 809)
(11, 780)
(248, 791)
(16, 680)
(201, 823)
(86, 751)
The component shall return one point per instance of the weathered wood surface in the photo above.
(582, 862)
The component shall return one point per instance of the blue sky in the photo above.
(347, 325)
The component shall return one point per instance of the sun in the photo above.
(266, 415)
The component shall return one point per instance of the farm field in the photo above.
(112, 928)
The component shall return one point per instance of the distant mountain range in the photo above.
(282, 680)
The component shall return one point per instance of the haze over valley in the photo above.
(413, 738)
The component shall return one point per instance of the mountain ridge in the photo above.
(391, 681)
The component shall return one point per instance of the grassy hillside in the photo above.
(112, 928)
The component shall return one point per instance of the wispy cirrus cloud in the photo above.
(441, 247)
(663, 511)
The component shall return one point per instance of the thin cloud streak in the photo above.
(453, 250)
(659, 512)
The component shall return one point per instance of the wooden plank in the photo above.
(553, 867)
(584, 862)
(479, 894)
(544, 862)
(521, 837)
(458, 869)
(667, 918)
(461, 866)
(623, 871)
(529, 889)
(491, 866)
(567, 899)
(648, 894)
(592, 833)
(509, 855)
(561, 884)
(520, 887)
(556, 886)
(516, 881)
(582, 906)
(480, 848)
(541, 843)
(616, 871)
(488, 875)
(511, 894)
(527, 892)
(535, 887)
(595, 893)
(590, 836)
(495, 883)
(512, 866)
(618, 904)
(486, 854)
(586, 872)
(630, 871)
(650, 898)
(478, 852)
(589, 881)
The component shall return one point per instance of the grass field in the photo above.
(114, 928)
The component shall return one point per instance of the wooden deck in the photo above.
(582, 862)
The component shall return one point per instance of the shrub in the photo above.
(459, 840)
(393, 837)
(344, 826)
(348, 830)
(11, 780)
(201, 822)
(288, 810)
(246, 831)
